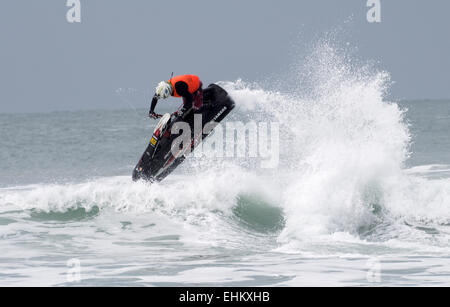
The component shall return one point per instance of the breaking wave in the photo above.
(341, 175)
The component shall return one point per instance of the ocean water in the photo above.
(361, 196)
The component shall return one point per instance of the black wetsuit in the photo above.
(182, 89)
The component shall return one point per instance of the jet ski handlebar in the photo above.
(157, 116)
(154, 115)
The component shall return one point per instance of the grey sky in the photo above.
(48, 64)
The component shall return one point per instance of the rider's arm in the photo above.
(154, 102)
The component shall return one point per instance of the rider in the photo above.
(189, 87)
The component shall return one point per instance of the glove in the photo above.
(153, 115)
(177, 113)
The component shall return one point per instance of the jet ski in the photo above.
(159, 159)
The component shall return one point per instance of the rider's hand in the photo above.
(153, 115)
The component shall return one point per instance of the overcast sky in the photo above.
(49, 64)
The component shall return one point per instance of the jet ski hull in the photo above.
(159, 159)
